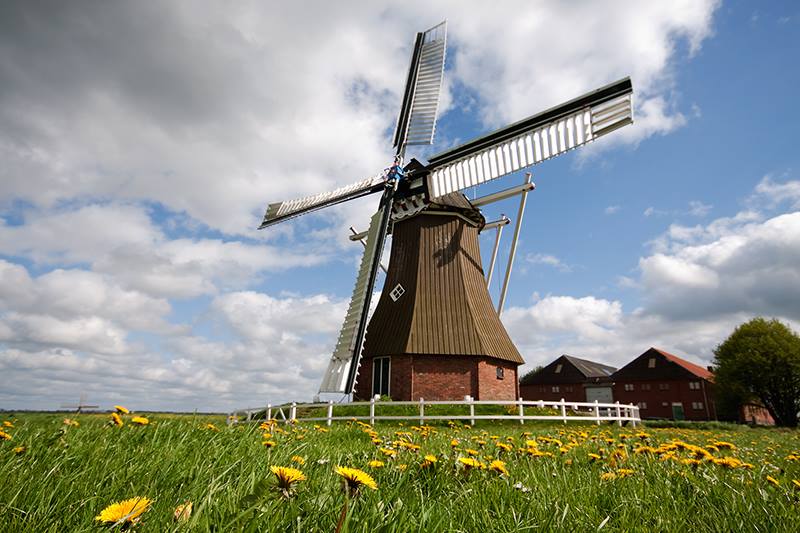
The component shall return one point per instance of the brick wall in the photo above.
(571, 392)
(678, 391)
(492, 388)
(444, 378)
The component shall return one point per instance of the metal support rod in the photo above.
(513, 251)
(361, 240)
(494, 251)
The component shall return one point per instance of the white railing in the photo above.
(567, 411)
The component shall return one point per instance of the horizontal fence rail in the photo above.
(564, 411)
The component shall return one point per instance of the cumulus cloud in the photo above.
(549, 260)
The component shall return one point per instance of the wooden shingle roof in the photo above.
(445, 308)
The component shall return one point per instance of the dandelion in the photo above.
(182, 512)
(454, 443)
(503, 447)
(796, 484)
(140, 420)
(116, 420)
(287, 478)
(402, 468)
(594, 457)
(299, 460)
(470, 463)
(211, 427)
(8, 424)
(71, 422)
(472, 452)
(625, 472)
(773, 481)
(607, 476)
(499, 467)
(376, 464)
(124, 512)
(726, 445)
(268, 444)
(354, 479)
(388, 452)
(19, 450)
(122, 410)
(430, 460)
(4, 435)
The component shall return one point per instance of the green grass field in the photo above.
(58, 477)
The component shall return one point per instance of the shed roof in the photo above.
(590, 369)
(697, 370)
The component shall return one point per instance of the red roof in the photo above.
(697, 370)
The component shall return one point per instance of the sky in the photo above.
(141, 142)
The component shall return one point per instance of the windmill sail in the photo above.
(278, 212)
(343, 366)
(417, 120)
(532, 140)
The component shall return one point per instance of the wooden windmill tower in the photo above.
(435, 333)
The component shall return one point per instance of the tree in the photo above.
(761, 360)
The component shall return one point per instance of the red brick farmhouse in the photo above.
(571, 378)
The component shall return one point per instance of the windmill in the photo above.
(82, 405)
(435, 301)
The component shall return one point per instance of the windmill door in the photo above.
(380, 376)
(677, 411)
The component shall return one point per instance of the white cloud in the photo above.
(612, 209)
(699, 209)
(549, 260)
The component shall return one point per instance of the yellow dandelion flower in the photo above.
(268, 444)
(430, 460)
(124, 512)
(182, 512)
(454, 443)
(116, 420)
(607, 476)
(299, 460)
(625, 472)
(773, 481)
(211, 427)
(472, 452)
(796, 484)
(499, 467)
(19, 450)
(122, 410)
(594, 457)
(71, 422)
(8, 424)
(402, 467)
(376, 464)
(726, 445)
(140, 420)
(355, 479)
(4, 435)
(287, 477)
(388, 452)
(470, 463)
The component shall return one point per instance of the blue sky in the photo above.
(141, 146)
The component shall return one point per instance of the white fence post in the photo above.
(269, 412)
(619, 414)
(330, 412)
(597, 412)
(421, 411)
(471, 411)
(293, 412)
(634, 414)
(249, 415)
(372, 411)
(564, 410)
(521, 411)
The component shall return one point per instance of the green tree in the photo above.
(761, 360)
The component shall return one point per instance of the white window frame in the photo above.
(629, 386)
(397, 292)
(694, 385)
(651, 363)
(645, 386)
(558, 368)
(555, 388)
(642, 405)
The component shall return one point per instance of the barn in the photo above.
(665, 386)
(435, 333)
(571, 378)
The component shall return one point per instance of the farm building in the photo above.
(571, 378)
(435, 333)
(665, 386)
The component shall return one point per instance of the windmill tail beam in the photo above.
(499, 225)
(502, 195)
(514, 243)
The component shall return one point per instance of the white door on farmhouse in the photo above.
(601, 394)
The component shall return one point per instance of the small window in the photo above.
(629, 386)
(558, 368)
(645, 386)
(568, 388)
(651, 363)
(664, 404)
(642, 405)
(555, 388)
(500, 372)
(694, 385)
(397, 292)
(697, 405)
(663, 386)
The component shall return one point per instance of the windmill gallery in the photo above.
(435, 333)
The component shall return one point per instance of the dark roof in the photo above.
(573, 370)
(671, 367)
